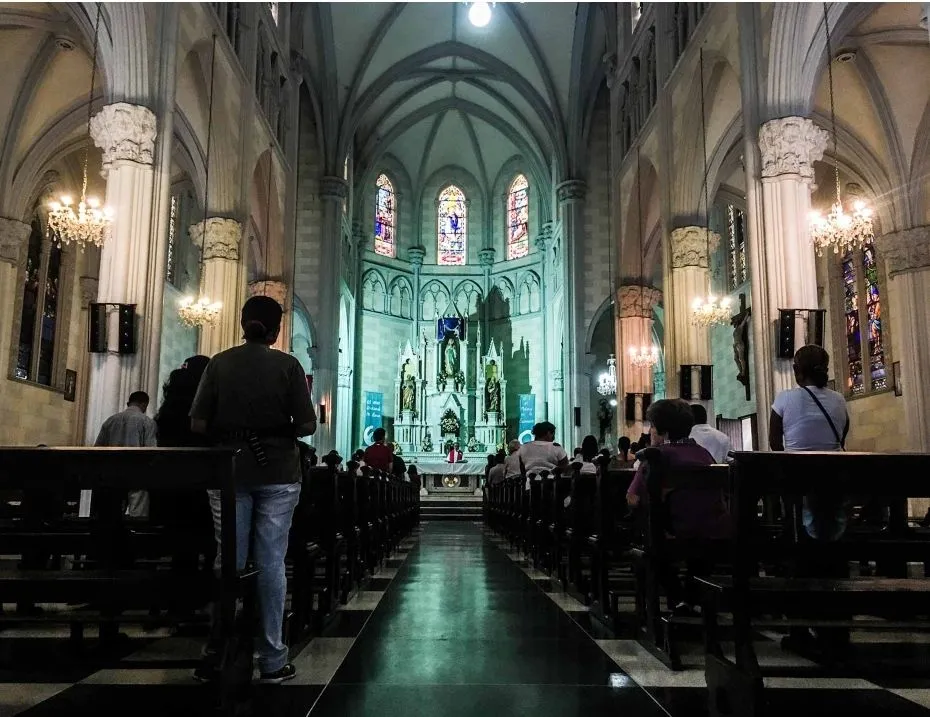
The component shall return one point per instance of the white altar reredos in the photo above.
(450, 391)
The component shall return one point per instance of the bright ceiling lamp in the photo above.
(479, 14)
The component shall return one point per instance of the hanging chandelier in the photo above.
(644, 356)
(89, 224)
(202, 311)
(607, 381)
(839, 231)
(710, 311)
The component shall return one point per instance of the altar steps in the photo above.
(448, 508)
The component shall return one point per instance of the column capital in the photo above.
(791, 145)
(13, 237)
(89, 286)
(124, 132)
(223, 237)
(638, 301)
(906, 250)
(572, 190)
(557, 379)
(692, 245)
(543, 237)
(416, 255)
(486, 257)
(274, 288)
(334, 189)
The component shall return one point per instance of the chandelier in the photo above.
(90, 223)
(839, 231)
(607, 381)
(710, 311)
(644, 356)
(203, 312)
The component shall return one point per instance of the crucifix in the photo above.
(740, 324)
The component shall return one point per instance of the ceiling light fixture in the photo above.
(479, 14)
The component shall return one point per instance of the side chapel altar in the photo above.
(452, 396)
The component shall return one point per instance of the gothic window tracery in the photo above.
(518, 212)
(401, 297)
(385, 217)
(435, 301)
(466, 299)
(452, 224)
(373, 292)
(529, 297)
(864, 330)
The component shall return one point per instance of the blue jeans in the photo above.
(263, 522)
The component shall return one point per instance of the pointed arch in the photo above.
(385, 217)
(452, 227)
(518, 218)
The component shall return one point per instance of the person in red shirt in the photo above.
(379, 455)
(455, 455)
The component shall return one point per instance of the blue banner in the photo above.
(374, 410)
(453, 325)
(527, 417)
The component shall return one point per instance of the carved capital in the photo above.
(89, 286)
(124, 132)
(416, 254)
(223, 237)
(277, 290)
(574, 190)
(13, 237)
(791, 145)
(334, 188)
(486, 257)
(543, 237)
(557, 380)
(907, 250)
(638, 301)
(691, 246)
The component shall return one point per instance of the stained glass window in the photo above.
(736, 255)
(853, 334)
(385, 218)
(873, 305)
(518, 214)
(452, 226)
(172, 259)
(865, 345)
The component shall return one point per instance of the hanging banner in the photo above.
(527, 417)
(374, 408)
(453, 326)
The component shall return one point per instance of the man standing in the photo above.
(715, 442)
(131, 429)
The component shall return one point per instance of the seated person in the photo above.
(542, 453)
(625, 453)
(413, 475)
(455, 455)
(497, 472)
(585, 456)
(379, 456)
(399, 467)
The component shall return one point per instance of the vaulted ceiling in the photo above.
(420, 82)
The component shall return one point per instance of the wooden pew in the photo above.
(735, 686)
(612, 562)
(105, 545)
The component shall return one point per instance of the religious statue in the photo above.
(427, 446)
(451, 357)
(408, 394)
(493, 389)
(605, 418)
(740, 324)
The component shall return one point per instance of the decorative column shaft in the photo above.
(277, 290)
(550, 405)
(907, 258)
(571, 198)
(789, 147)
(636, 304)
(89, 289)
(690, 249)
(126, 134)
(222, 281)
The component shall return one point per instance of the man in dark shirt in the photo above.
(255, 398)
(379, 455)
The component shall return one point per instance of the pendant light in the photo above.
(709, 310)
(91, 222)
(202, 311)
(838, 231)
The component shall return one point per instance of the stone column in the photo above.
(557, 406)
(126, 134)
(277, 290)
(789, 147)
(486, 260)
(571, 198)
(550, 354)
(636, 304)
(89, 290)
(333, 192)
(907, 259)
(221, 281)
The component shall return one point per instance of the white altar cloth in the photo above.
(449, 469)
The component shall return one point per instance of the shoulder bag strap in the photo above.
(836, 433)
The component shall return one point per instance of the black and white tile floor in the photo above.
(453, 626)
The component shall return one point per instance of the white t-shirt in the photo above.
(587, 467)
(805, 426)
(715, 442)
(541, 456)
(512, 465)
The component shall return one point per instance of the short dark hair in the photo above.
(624, 443)
(378, 435)
(137, 398)
(671, 417)
(261, 318)
(699, 413)
(813, 364)
(542, 428)
(589, 448)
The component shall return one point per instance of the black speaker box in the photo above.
(127, 329)
(97, 329)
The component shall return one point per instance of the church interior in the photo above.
(476, 218)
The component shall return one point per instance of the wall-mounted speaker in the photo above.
(127, 329)
(797, 327)
(577, 416)
(696, 382)
(97, 329)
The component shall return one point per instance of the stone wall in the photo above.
(307, 266)
(876, 423)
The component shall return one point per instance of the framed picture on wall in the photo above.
(896, 378)
(70, 385)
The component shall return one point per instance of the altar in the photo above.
(445, 477)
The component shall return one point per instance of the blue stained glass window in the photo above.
(518, 214)
(853, 335)
(874, 310)
(452, 225)
(385, 218)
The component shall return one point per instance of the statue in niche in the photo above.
(451, 357)
(493, 388)
(740, 324)
(408, 394)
